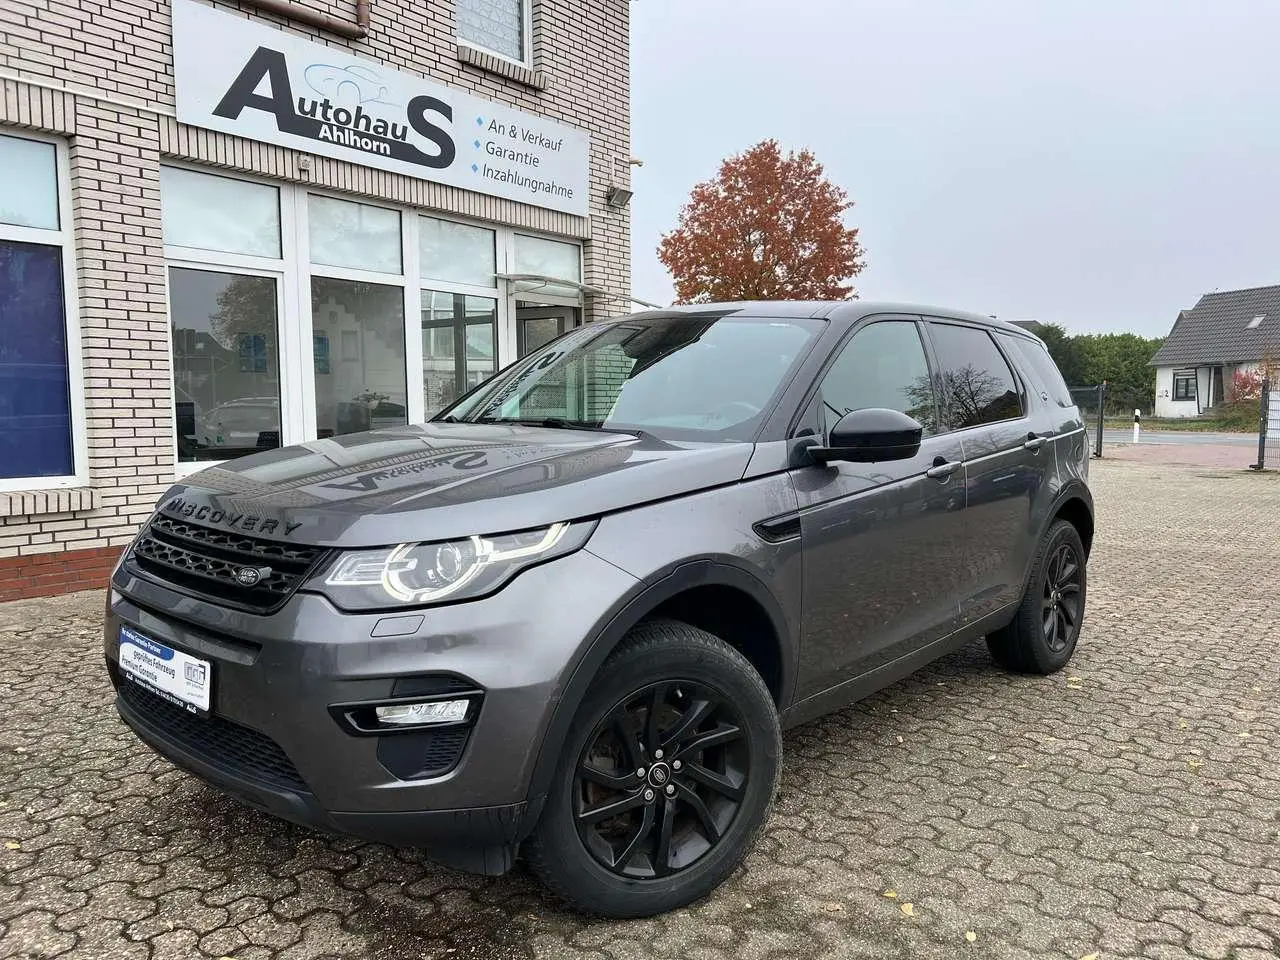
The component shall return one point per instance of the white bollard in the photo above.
(1137, 424)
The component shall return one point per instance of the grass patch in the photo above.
(1224, 418)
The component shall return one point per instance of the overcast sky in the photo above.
(1097, 163)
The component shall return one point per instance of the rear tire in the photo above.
(1044, 633)
(690, 712)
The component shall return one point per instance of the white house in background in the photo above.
(1225, 332)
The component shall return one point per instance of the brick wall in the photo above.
(49, 574)
(100, 76)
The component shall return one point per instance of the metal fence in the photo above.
(1269, 427)
(1092, 402)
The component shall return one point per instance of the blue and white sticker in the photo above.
(174, 675)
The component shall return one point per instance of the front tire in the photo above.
(1043, 634)
(665, 779)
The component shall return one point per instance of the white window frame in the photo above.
(414, 404)
(292, 377)
(293, 272)
(526, 34)
(505, 328)
(1185, 374)
(534, 296)
(516, 297)
(63, 239)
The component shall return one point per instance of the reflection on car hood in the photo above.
(440, 481)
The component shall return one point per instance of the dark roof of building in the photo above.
(1219, 329)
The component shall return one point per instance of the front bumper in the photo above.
(272, 741)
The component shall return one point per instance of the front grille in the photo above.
(217, 741)
(205, 561)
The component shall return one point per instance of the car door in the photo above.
(1007, 457)
(882, 541)
(1062, 425)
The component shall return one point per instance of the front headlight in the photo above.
(424, 573)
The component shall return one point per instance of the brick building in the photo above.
(228, 227)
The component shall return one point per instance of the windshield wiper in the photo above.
(559, 423)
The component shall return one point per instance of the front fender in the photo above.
(614, 627)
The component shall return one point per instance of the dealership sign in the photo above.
(248, 79)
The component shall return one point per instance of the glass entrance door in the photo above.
(539, 324)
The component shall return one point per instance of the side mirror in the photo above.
(873, 435)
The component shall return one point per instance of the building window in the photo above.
(365, 386)
(41, 405)
(356, 235)
(458, 264)
(456, 252)
(223, 241)
(209, 213)
(459, 345)
(361, 305)
(496, 26)
(298, 316)
(548, 258)
(1184, 385)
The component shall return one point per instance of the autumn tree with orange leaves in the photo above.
(768, 227)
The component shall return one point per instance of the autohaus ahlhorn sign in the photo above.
(247, 79)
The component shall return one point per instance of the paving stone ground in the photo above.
(1127, 807)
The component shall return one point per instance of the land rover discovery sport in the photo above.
(569, 617)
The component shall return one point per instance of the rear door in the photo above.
(883, 542)
(1062, 420)
(1008, 460)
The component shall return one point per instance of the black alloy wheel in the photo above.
(664, 779)
(1045, 628)
(1062, 597)
(661, 779)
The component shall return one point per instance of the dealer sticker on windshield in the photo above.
(178, 677)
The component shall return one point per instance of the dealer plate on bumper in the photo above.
(178, 677)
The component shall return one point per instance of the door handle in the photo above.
(942, 469)
(1034, 442)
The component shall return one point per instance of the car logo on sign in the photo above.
(252, 576)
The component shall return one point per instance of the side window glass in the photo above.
(1034, 359)
(977, 385)
(884, 365)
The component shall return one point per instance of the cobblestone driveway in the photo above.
(1128, 807)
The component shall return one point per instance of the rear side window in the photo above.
(1035, 361)
(977, 385)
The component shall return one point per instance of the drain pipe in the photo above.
(312, 18)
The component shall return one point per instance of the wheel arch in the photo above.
(674, 597)
(1075, 505)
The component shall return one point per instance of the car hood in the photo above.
(440, 481)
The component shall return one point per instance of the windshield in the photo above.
(694, 377)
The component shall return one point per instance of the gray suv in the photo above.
(571, 615)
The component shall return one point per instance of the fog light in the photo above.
(413, 714)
